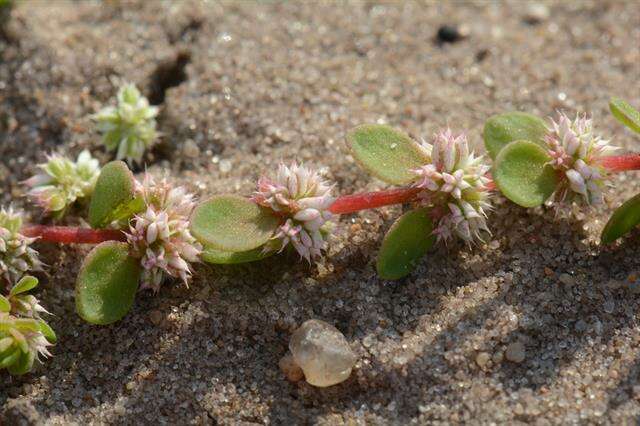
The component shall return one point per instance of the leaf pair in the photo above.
(391, 155)
(515, 141)
(233, 229)
(627, 216)
(109, 276)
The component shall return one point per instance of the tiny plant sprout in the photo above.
(16, 255)
(61, 182)
(24, 335)
(451, 191)
(154, 217)
(566, 160)
(292, 208)
(130, 127)
(627, 216)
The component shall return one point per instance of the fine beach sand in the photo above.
(243, 86)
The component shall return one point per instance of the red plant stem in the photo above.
(71, 234)
(342, 205)
(621, 163)
(371, 200)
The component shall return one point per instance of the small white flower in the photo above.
(576, 152)
(16, 255)
(129, 128)
(455, 177)
(160, 236)
(62, 182)
(303, 198)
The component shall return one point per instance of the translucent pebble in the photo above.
(322, 352)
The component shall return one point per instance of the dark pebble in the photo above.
(450, 34)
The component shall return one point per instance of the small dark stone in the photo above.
(451, 34)
(482, 54)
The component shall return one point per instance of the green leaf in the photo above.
(24, 364)
(5, 305)
(406, 242)
(214, 256)
(386, 153)
(624, 219)
(114, 189)
(107, 283)
(10, 358)
(25, 284)
(522, 174)
(47, 331)
(5, 344)
(625, 113)
(502, 129)
(232, 223)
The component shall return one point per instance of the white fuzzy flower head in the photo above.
(130, 127)
(160, 236)
(455, 178)
(576, 152)
(302, 198)
(24, 336)
(61, 182)
(20, 340)
(16, 255)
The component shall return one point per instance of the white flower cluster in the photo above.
(130, 127)
(576, 152)
(16, 257)
(455, 177)
(160, 236)
(62, 182)
(303, 199)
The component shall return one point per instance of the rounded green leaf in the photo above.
(107, 283)
(232, 223)
(406, 242)
(624, 219)
(386, 153)
(114, 189)
(214, 256)
(522, 173)
(502, 129)
(25, 284)
(625, 113)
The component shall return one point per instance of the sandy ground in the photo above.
(243, 86)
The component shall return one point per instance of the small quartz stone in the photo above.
(482, 359)
(322, 352)
(515, 352)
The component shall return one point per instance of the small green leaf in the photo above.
(522, 174)
(625, 113)
(23, 365)
(386, 153)
(114, 189)
(47, 331)
(232, 223)
(406, 242)
(25, 284)
(5, 344)
(624, 219)
(502, 129)
(5, 305)
(10, 358)
(107, 283)
(214, 256)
